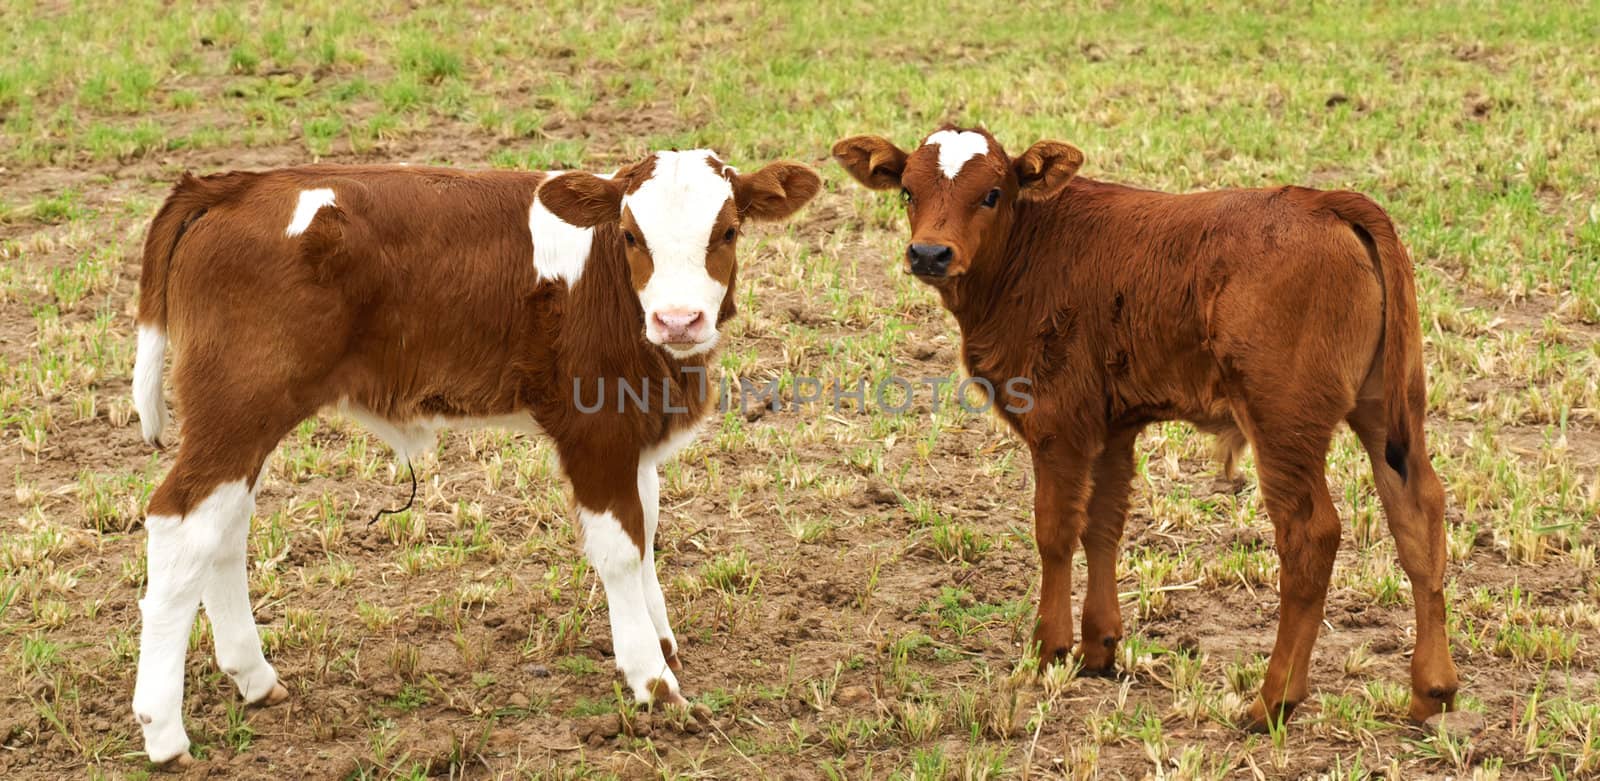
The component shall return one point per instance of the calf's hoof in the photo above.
(277, 696)
(1262, 718)
(1053, 653)
(1109, 672)
(1432, 702)
(662, 694)
(176, 764)
(1097, 660)
(701, 713)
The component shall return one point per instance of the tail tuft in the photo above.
(190, 199)
(147, 396)
(1229, 448)
(1402, 330)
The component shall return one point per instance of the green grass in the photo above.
(850, 591)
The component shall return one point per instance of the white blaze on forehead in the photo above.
(676, 209)
(956, 147)
(306, 209)
(560, 249)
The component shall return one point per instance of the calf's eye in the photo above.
(732, 232)
(992, 198)
(628, 237)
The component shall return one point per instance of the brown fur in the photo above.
(414, 296)
(1269, 315)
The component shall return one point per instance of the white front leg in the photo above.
(655, 601)
(618, 561)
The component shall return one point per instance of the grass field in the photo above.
(852, 591)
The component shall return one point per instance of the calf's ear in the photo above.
(582, 199)
(774, 192)
(872, 160)
(1046, 168)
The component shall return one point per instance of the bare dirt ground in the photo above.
(835, 620)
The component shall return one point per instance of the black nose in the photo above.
(929, 260)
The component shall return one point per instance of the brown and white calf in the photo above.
(1272, 313)
(413, 298)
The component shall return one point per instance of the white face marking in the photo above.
(147, 397)
(306, 209)
(617, 561)
(956, 147)
(676, 209)
(560, 249)
(182, 559)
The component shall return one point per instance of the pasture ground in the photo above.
(852, 590)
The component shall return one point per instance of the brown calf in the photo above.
(418, 297)
(1273, 314)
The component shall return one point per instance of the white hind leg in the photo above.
(227, 601)
(182, 555)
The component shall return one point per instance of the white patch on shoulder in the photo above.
(311, 201)
(560, 249)
(956, 147)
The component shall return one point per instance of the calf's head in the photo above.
(960, 188)
(680, 215)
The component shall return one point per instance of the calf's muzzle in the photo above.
(929, 260)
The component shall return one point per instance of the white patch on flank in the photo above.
(147, 398)
(306, 209)
(956, 147)
(618, 562)
(560, 249)
(415, 438)
(676, 209)
(184, 558)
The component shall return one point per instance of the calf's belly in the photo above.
(416, 435)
